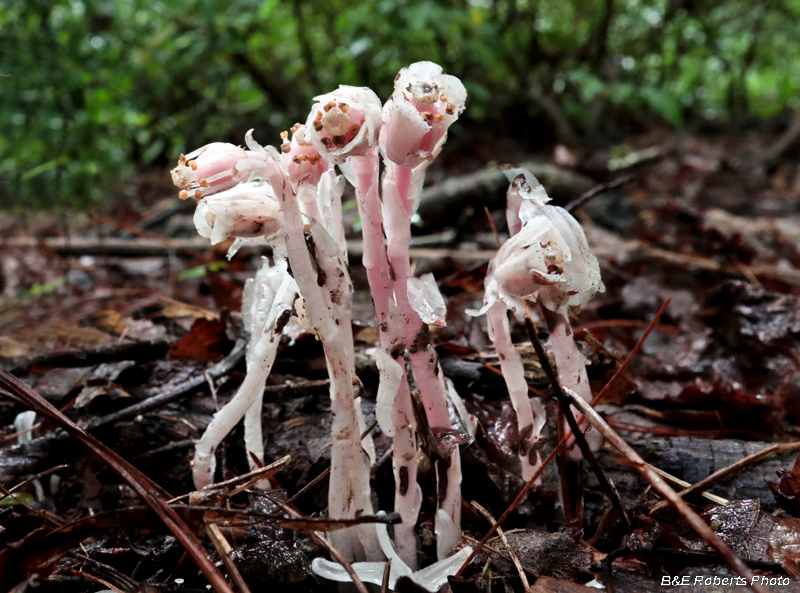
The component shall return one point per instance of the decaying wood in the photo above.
(694, 459)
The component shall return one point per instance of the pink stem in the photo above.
(404, 442)
(399, 197)
(398, 200)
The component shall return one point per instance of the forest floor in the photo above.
(129, 324)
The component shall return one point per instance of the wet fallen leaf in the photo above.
(206, 340)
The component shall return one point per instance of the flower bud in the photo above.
(208, 169)
(344, 123)
(302, 161)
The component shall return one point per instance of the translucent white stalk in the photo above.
(400, 191)
(571, 368)
(530, 412)
(23, 423)
(266, 310)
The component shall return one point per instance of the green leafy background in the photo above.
(93, 92)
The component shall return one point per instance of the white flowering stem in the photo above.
(349, 494)
(529, 425)
(251, 389)
(254, 435)
(364, 171)
(571, 368)
(247, 401)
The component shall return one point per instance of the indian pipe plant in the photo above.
(546, 259)
(290, 198)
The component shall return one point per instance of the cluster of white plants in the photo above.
(290, 197)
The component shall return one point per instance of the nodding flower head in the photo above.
(525, 198)
(301, 159)
(213, 168)
(344, 123)
(247, 210)
(548, 260)
(425, 102)
(206, 167)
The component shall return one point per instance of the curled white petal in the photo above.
(426, 300)
(405, 129)
(247, 210)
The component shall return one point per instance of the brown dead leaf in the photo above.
(751, 533)
(227, 293)
(787, 489)
(205, 341)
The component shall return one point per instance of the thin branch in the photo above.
(224, 550)
(605, 483)
(581, 200)
(183, 389)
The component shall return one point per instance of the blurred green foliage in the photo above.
(94, 91)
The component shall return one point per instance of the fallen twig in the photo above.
(597, 190)
(224, 550)
(183, 389)
(606, 484)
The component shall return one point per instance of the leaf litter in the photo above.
(715, 382)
